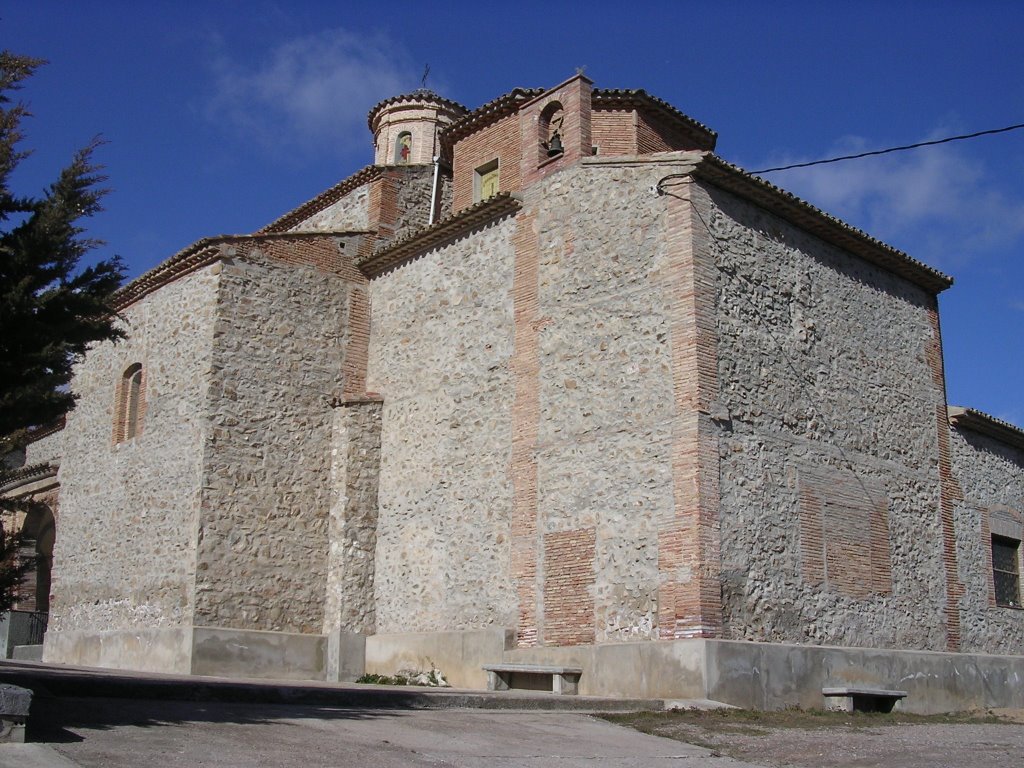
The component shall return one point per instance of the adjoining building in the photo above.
(548, 382)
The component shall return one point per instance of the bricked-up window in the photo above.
(1006, 571)
(130, 404)
(485, 181)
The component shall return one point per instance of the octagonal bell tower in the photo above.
(405, 128)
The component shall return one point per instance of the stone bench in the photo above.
(861, 699)
(502, 677)
(14, 706)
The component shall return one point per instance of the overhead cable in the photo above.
(892, 149)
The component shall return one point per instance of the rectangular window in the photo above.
(1006, 571)
(485, 183)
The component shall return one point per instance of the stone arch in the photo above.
(38, 535)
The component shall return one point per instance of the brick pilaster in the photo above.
(949, 488)
(689, 561)
(525, 423)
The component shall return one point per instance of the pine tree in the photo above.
(51, 309)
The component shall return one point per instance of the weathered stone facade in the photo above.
(634, 408)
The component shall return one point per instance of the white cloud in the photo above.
(936, 202)
(310, 92)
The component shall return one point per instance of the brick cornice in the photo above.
(11, 480)
(610, 99)
(198, 255)
(983, 423)
(421, 96)
(491, 112)
(444, 231)
(324, 200)
(38, 433)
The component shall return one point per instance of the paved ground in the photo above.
(809, 740)
(86, 718)
(114, 733)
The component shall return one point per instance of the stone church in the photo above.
(549, 382)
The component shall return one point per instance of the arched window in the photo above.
(131, 403)
(403, 148)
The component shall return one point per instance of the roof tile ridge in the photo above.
(323, 200)
(427, 237)
(600, 94)
(491, 110)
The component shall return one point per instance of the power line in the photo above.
(893, 149)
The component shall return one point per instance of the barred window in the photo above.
(1006, 571)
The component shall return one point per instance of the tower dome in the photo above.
(405, 127)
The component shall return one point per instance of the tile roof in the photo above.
(603, 98)
(490, 112)
(829, 228)
(444, 231)
(14, 478)
(979, 421)
(420, 94)
(324, 200)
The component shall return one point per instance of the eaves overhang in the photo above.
(639, 99)
(983, 423)
(324, 200)
(15, 480)
(444, 231)
(488, 114)
(832, 230)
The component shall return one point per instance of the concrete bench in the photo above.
(534, 677)
(861, 699)
(14, 706)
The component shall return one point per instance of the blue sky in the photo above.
(219, 116)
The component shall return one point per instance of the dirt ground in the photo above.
(797, 739)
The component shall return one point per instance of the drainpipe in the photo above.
(433, 190)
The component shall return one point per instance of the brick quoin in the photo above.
(525, 366)
(689, 544)
(949, 488)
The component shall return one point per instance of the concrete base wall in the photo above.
(146, 650)
(459, 655)
(193, 650)
(744, 674)
(251, 653)
(776, 676)
(658, 670)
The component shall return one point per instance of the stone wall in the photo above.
(991, 481)
(830, 524)
(440, 344)
(528, 418)
(350, 213)
(45, 449)
(352, 535)
(412, 200)
(595, 404)
(280, 342)
(125, 550)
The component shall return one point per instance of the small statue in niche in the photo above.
(403, 152)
